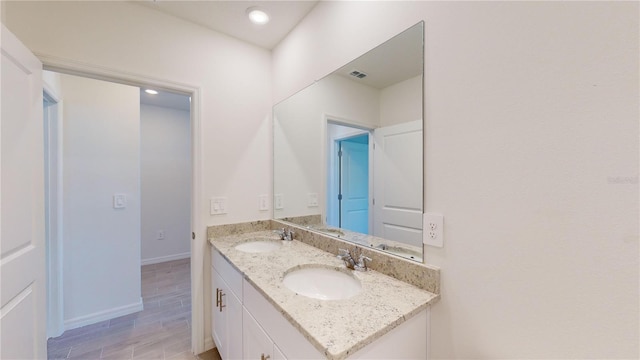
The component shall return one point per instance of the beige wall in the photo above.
(531, 126)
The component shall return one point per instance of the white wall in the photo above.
(233, 77)
(100, 158)
(531, 128)
(165, 177)
(299, 139)
(401, 102)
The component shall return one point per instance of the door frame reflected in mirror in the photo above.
(304, 181)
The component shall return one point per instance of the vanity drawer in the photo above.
(289, 340)
(230, 275)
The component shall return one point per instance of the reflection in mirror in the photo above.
(348, 150)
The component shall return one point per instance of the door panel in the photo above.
(22, 260)
(256, 342)
(398, 182)
(355, 186)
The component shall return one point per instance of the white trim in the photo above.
(359, 129)
(54, 246)
(209, 344)
(198, 247)
(160, 259)
(428, 333)
(103, 315)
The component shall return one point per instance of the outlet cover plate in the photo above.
(119, 201)
(312, 200)
(433, 229)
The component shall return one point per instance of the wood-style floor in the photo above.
(161, 331)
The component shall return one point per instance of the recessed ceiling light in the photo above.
(152, 92)
(257, 16)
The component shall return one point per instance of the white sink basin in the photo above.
(259, 245)
(322, 282)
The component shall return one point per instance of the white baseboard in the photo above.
(102, 315)
(165, 258)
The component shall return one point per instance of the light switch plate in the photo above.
(119, 201)
(433, 229)
(218, 205)
(263, 202)
(278, 202)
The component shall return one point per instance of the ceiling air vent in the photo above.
(358, 74)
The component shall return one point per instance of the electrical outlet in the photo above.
(312, 200)
(160, 234)
(119, 201)
(263, 202)
(433, 232)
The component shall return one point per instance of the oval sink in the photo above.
(322, 282)
(259, 245)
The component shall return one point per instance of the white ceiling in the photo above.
(396, 60)
(229, 17)
(166, 99)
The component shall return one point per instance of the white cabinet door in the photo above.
(217, 317)
(22, 256)
(233, 308)
(226, 318)
(257, 345)
(277, 354)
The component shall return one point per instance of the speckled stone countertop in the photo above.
(337, 328)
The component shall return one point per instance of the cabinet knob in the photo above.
(263, 357)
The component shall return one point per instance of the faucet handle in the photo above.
(343, 253)
(362, 263)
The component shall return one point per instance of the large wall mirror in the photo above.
(348, 150)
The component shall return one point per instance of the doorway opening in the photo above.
(186, 171)
(349, 177)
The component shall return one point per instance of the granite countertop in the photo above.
(337, 328)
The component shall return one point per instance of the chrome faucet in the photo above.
(285, 234)
(349, 256)
(345, 256)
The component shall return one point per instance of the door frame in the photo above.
(329, 153)
(339, 167)
(198, 244)
(53, 211)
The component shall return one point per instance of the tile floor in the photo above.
(161, 331)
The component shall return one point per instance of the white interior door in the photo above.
(22, 257)
(398, 182)
(354, 185)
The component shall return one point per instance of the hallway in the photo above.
(161, 331)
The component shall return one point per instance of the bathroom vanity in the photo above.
(359, 315)
(355, 142)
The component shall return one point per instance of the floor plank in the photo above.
(161, 331)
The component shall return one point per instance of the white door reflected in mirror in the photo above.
(354, 138)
